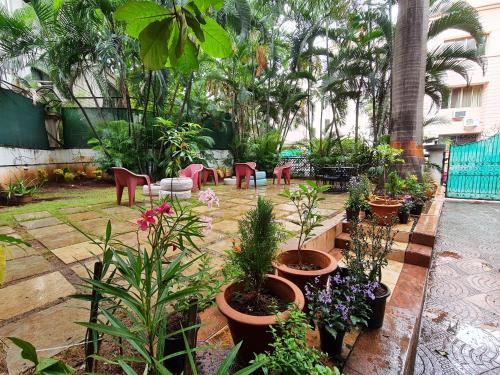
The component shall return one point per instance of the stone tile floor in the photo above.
(460, 331)
(35, 297)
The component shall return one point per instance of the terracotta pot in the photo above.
(252, 330)
(376, 317)
(385, 210)
(300, 278)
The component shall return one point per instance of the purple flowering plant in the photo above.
(342, 304)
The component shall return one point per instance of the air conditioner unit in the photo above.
(459, 115)
(470, 122)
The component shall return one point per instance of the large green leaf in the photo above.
(139, 14)
(51, 366)
(203, 5)
(217, 42)
(154, 44)
(28, 351)
(188, 61)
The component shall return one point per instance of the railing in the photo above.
(300, 166)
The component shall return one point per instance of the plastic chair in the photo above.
(125, 178)
(193, 171)
(210, 171)
(245, 170)
(283, 170)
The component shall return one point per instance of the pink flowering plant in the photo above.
(342, 304)
(149, 284)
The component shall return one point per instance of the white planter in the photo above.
(175, 194)
(155, 189)
(176, 184)
(232, 181)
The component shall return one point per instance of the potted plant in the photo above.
(256, 299)
(291, 354)
(405, 209)
(385, 208)
(339, 307)
(205, 287)
(355, 201)
(417, 192)
(301, 266)
(21, 191)
(365, 257)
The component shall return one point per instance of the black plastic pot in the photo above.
(174, 345)
(329, 344)
(350, 215)
(403, 217)
(368, 214)
(377, 306)
(417, 209)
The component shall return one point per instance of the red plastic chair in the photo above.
(210, 171)
(245, 170)
(283, 170)
(193, 171)
(125, 178)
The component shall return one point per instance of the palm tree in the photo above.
(408, 82)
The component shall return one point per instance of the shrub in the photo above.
(69, 177)
(259, 235)
(42, 175)
(264, 151)
(291, 354)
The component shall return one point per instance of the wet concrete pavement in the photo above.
(460, 331)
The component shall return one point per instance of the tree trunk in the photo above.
(408, 83)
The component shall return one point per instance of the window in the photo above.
(467, 44)
(463, 97)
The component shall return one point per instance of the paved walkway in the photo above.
(461, 320)
(34, 300)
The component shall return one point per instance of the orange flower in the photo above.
(236, 248)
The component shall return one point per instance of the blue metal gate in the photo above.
(474, 170)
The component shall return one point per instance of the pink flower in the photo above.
(207, 227)
(164, 208)
(208, 196)
(146, 220)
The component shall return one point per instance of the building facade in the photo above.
(472, 111)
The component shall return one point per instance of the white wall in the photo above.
(23, 163)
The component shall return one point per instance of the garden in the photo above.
(240, 251)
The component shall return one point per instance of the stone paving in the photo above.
(460, 331)
(35, 296)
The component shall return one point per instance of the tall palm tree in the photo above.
(408, 82)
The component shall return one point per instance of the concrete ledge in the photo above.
(418, 255)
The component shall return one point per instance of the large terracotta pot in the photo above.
(252, 330)
(385, 210)
(300, 278)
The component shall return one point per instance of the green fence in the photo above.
(76, 131)
(22, 124)
(474, 170)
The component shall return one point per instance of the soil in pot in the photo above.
(403, 217)
(175, 344)
(258, 304)
(377, 306)
(253, 330)
(329, 344)
(290, 266)
(351, 214)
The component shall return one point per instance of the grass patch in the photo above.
(64, 197)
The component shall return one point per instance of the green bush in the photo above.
(264, 151)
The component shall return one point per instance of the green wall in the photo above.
(22, 124)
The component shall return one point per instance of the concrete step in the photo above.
(398, 248)
(402, 232)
